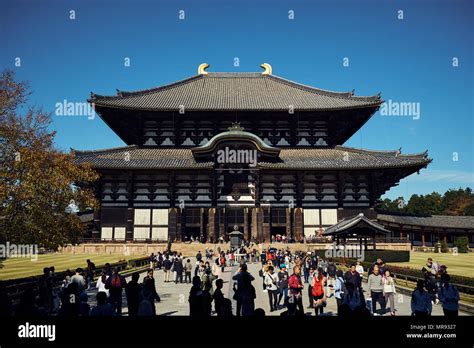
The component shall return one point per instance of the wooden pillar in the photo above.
(172, 223)
(211, 225)
(246, 224)
(202, 226)
(423, 244)
(299, 228)
(266, 226)
(288, 222)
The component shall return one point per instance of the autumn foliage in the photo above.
(38, 183)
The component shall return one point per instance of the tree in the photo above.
(458, 202)
(37, 182)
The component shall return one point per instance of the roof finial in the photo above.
(202, 68)
(268, 69)
(236, 127)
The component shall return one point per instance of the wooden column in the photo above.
(201, 223)
(298, 230)
(211, 225)
(172, 223)
(266, 226)
(288, 222)
(423, 244)
(246, 224)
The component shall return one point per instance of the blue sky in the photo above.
(408, 60)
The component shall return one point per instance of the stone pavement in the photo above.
(174, 297)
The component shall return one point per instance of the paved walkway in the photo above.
(174, 297)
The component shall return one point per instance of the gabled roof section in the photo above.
(236, 133)
(359, 221)
(235, 92)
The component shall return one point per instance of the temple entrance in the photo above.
(235, 217)
(278, 223)
(191, 232)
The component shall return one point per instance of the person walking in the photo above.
(420, 301)
(295, 298)
(178, 268)
(147, 296)
(389, 290)
(272, 289)
(115, 284)
(339, 289)
(244, 291)
(167, 264)
(90, 273)
(78, 278)
(188, 269)
(101, 281)
(352, 276)
(448, 296)
(319, 295)
(283, 285)
(219, 298)
(375, 286)
(132, 291)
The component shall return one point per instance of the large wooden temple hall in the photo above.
(252, 151)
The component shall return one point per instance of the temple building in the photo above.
(251, 152)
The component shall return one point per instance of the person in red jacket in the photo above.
(295, 297)
(319, 295)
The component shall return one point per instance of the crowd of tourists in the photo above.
(288, 279)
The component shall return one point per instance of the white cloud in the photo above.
(433, 175)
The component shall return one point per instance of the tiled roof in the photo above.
(340, 157)
(234, 91)
(347, 224)
(442, 221)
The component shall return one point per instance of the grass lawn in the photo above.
(460, 264)
(25, 267)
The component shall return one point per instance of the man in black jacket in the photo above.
(132, 290)
(352, 276)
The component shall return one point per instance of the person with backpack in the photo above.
(272, 289)
(319, 295)
(339, 289)
(207, 280)
(420, 301)
(115, 284)
(331, 280)
(449, 297)
(389, 290)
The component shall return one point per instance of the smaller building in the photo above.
(357, 230)
(428, 230)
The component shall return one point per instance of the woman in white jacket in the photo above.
(389, 290)
(271, 281)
